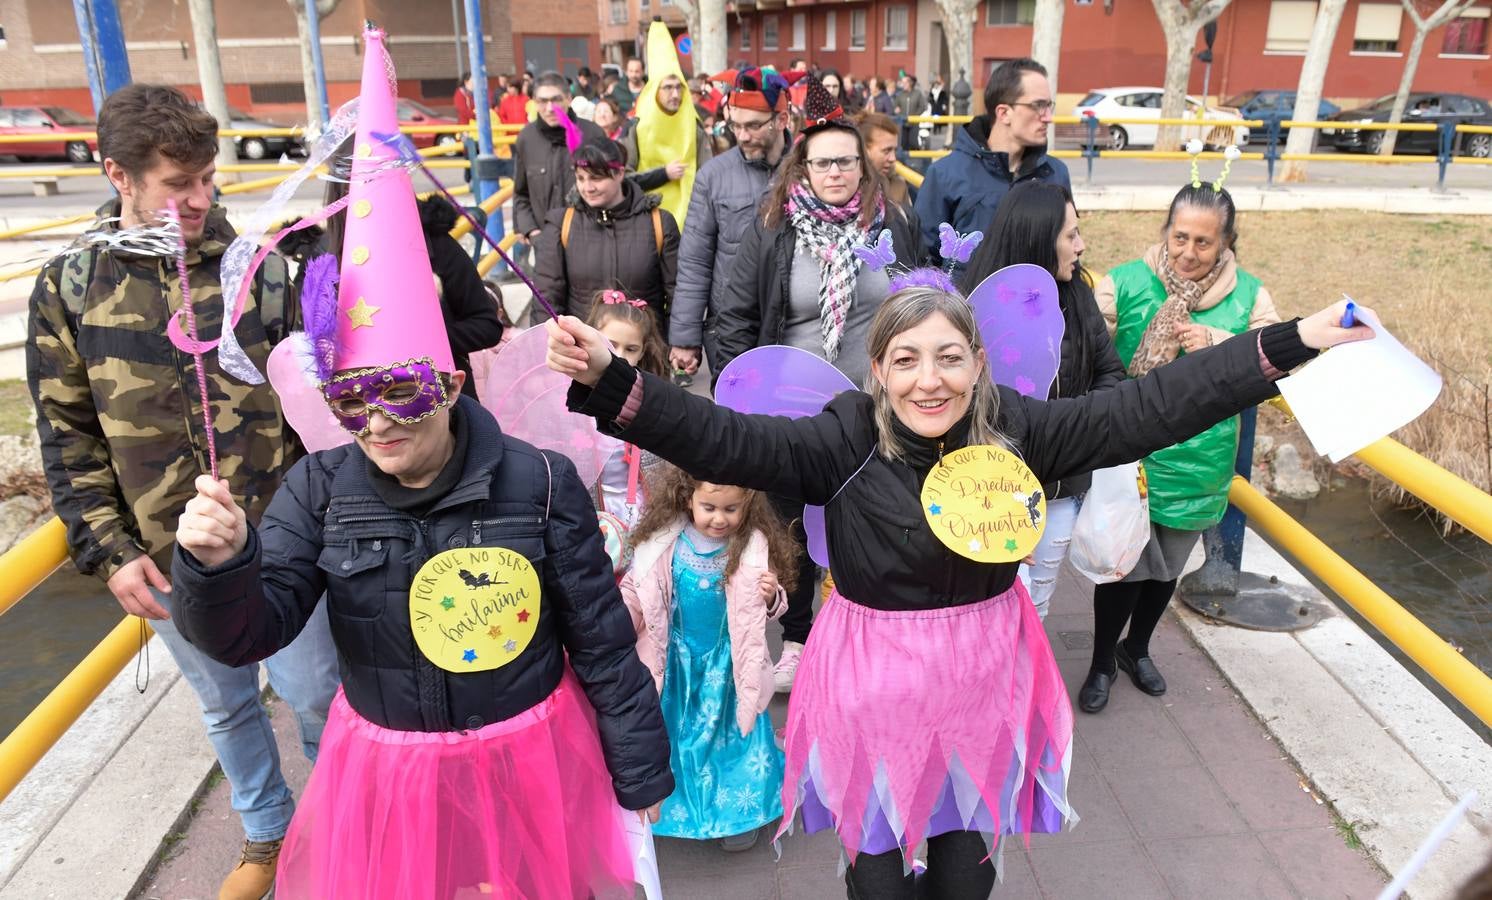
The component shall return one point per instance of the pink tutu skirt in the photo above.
(521, 808)
(908, 724)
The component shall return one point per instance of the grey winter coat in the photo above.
(542, 174)
(727, 191)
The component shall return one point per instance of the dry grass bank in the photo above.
(1429, 277)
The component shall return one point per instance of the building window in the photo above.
(1290, 24)
(769, 32)
(857, 29)
(746, 35)
(665, 3)
(831, 29)
(800, 31)
(618, 12)
(896, 28)
(1378, 26)
(1009, 12)
(1466, 35)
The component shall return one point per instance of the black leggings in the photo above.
(798, 619)
(1138, 603)
(956, 870)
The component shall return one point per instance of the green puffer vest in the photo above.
(1188, 481)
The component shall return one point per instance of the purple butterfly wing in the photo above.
(1021, 324)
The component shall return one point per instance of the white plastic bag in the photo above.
(1113, 525)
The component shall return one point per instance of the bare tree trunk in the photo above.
(324, 8)
(1423, 25)
(1046, 38)
(1308, 92)
(958, 31)
(1180, 22)
(709, 35)
(210, 73)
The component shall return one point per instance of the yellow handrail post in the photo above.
(30, 741)
(1459, 500)
(1468, 684)
(31, 560)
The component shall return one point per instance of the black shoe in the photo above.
(1094, 694)
(1141, 671)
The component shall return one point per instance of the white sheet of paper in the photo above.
(1356, 393)
(644, 856)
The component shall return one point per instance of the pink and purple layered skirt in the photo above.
(519, 808)
(908, 724)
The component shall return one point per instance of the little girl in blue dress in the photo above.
(701, 588)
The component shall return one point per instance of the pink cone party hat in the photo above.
(387, 309)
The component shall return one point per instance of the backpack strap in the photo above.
(658, 230)
(273, 281)
(565, 227)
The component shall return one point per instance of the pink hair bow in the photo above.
(613, 297)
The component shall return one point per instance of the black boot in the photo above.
(1142, 671)
(1094, 694)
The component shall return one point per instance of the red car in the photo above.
(412, 113)
(44, 122)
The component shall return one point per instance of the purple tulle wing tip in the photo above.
(924, 277)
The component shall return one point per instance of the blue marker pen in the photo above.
(1348, 317)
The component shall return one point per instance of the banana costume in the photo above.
(664, 138)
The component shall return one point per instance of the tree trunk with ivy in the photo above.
(1181, 22)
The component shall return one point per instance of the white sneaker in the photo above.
(787, 666)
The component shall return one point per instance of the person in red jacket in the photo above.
(513, 110)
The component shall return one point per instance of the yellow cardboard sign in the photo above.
(474, 608)
(984, 503)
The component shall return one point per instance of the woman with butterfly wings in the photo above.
(803, 278)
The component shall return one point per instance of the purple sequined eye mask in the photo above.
(406, 393)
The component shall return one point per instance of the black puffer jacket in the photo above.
(755, 304)
(470, 312)
(328, 530)
(882, 552)
(543, 175)
(608, 249)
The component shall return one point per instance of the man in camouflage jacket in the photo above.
(119, 413)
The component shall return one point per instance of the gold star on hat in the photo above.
(362, 314)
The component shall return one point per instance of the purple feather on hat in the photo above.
(318, 304)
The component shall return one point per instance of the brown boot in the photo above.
(254, 875)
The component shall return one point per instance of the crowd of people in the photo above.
(500, 732)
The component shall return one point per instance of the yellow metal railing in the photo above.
(33, 559)
(1468, 684)
(65, 136)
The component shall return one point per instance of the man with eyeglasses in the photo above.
(991, 154)
(726, 193)
(543, 175)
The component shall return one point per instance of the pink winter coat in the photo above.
(648, 589)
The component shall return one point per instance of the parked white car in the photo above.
(1144, 103)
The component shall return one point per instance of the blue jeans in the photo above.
(304, 675)
(1041, 579)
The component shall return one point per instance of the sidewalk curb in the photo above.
(1362, 728)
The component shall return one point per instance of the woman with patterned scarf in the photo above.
(1186, 294)
(798, 281)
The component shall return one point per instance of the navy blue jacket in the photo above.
(964, 187)
(328, 531)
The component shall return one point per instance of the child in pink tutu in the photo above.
(495, 728)
(701, 589)
(928, 704)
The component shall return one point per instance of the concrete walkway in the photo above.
(1185, 796)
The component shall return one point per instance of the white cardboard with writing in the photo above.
(1356, 393)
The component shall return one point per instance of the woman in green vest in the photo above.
(1184, 295)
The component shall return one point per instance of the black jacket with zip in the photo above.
(328, 531)
(882, 552)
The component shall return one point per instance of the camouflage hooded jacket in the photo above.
(119, 410)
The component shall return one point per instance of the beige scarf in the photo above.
(1159, 345)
